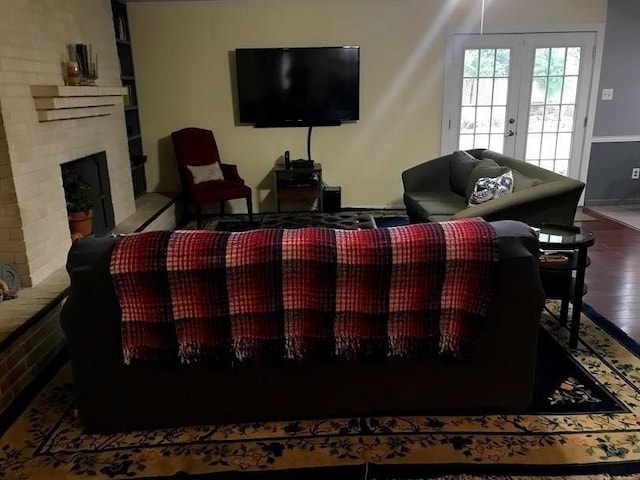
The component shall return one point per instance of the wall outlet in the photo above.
(635, 173)
(607, 94)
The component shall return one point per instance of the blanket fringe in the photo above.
(413, 348)
(356, 348)
(257, 350)
(307, 348)
(198, 354)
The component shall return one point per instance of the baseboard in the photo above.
(612, 202)
(375, 207)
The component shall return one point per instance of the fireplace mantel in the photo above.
(59, 102)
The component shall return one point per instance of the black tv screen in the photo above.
(298, 86)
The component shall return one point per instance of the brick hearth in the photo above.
(30, 333)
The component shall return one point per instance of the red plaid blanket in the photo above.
(203, 296)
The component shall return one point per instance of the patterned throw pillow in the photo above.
(487, 188)
(205, 173)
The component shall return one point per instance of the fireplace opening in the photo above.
(93, 169)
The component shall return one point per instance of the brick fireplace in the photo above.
(34, 233)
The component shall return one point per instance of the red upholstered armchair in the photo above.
(204, 178)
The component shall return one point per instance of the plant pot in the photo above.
(81, 222)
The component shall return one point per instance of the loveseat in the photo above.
(439, 190)
(112, 396)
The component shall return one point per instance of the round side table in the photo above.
(558, 279)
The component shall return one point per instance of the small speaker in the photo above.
(331, 199)
(287, 160)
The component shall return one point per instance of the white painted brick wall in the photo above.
(34, 34)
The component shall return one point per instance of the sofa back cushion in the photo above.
(462, 163)
(484, 168)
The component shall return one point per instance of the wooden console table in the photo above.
(297, 184)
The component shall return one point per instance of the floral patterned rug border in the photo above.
(47, 442)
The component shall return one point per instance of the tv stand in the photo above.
(297, 184)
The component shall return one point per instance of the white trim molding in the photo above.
(616, 139)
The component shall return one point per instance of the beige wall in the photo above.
(34, 233)
(182, 56)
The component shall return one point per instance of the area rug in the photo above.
(584, 424)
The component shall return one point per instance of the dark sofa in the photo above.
(115, 397)
(438, 190)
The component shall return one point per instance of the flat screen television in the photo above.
(308, 86)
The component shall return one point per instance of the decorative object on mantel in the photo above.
(87, 62)
(73, 73)
(9, 282)
(80, 197)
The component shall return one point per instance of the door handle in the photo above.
(510, 133)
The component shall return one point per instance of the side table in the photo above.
(297, 184)
(558, 281)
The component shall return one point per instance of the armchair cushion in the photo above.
(205, 173)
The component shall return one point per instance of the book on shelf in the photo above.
(128, 98)
(121, 29)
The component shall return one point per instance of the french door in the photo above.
(525, 95)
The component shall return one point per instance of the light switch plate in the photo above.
(607, 94)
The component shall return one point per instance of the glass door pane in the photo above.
(552, 107)
(485, 88)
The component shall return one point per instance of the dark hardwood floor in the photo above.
(613, 278)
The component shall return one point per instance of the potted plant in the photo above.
(80, 197)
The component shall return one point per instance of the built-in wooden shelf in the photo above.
(60, 102)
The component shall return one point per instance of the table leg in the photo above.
(566, 298)
(577, 297)
(564, 311)
(276, 194)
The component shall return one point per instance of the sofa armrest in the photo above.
(430, 175)
(90, 317)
